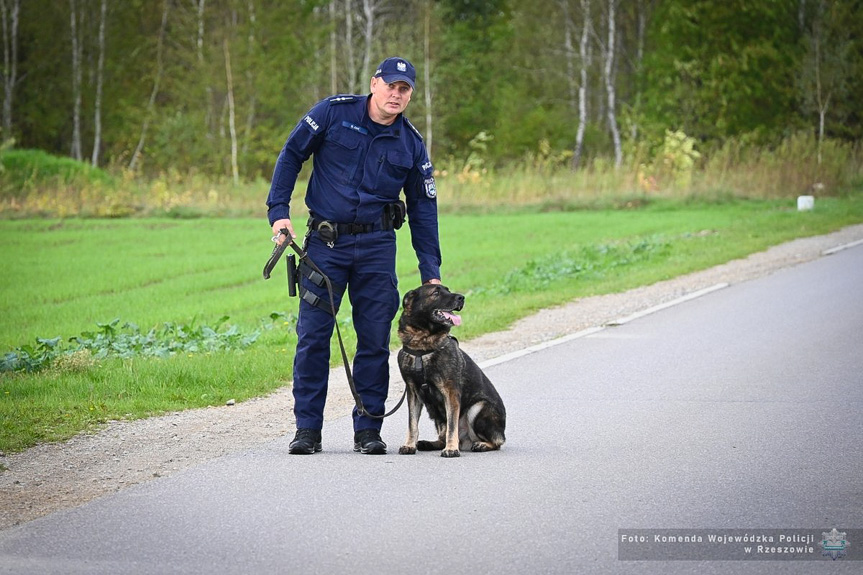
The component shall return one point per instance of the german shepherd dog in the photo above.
(460, 399)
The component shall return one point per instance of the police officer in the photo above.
(364, 153)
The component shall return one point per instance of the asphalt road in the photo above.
(741, 410)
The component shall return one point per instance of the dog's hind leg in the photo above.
(486, 427)
(466, 435)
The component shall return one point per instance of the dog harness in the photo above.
(417, 367)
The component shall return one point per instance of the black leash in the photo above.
(304, 257)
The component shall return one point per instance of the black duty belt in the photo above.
(308, 268)
(392, 217)
(345, 229)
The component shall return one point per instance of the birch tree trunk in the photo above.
(569, 53)
(427, 92)
(585, 52)
(10, 62)
(334, 78)
(359, 49)
(151, 103)
(97, 112)
(351, 67)
(76, 82)
(822, 99)
(641, 28)
(251, 77)
(369, 12)
(199, 6)
(235, 173)
(609, 85)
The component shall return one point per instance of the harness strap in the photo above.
(313, 276)
(315, 300)
(419, 355)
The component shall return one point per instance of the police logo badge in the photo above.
(431, 189)
(402, 67)
(834, 544)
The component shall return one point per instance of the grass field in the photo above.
(62, 277)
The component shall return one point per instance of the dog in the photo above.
(460, 399)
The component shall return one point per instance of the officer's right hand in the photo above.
(280, 225)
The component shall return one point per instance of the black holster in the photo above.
(327, 231)
(394, 215)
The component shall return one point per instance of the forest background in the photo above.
(188, 102)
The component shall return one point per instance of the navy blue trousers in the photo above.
(365, 265)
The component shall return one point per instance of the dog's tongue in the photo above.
(455, 319)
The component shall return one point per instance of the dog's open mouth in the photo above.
(447, 317)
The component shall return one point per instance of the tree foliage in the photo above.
(501, 68)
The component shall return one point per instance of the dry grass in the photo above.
(541, 181)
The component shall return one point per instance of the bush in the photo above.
(25, 170)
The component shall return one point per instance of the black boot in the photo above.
(369, 441)
(306, 442)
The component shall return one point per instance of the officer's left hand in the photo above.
(433, 281)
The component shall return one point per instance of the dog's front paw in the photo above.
(450, 453)
(406, 450)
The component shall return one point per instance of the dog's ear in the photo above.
(408, 300)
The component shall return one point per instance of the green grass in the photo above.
(62, 277)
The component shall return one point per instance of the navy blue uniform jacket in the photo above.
(357, 172)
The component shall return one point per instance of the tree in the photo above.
(334, 73)
(585, 53)
(235, 173)
(471, 64)
(427, 64)
(157, 80)
(368, 16)
(609, 77)
(100, 68)
(200, 20)
(720, 68)
(826, 67)
(77, 47)
(251, 75)
(9, 14)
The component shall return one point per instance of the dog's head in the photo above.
(430, 308)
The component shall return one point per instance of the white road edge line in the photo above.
(666, 305)
(539, 347)
(592, 330)
(832, 251)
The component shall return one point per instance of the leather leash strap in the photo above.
(271, 263)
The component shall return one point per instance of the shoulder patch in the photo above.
(430, 187)
(342, 99)
(413, 129)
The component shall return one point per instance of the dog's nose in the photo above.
(459, 300)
